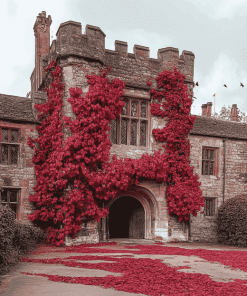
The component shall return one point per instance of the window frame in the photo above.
(129, 118)
(9, 144)
(9, 189)
(204, 160)
(214, 201)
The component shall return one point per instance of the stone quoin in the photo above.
(218, 148)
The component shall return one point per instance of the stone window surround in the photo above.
(148, 119)
(215, 207)
(216, 162)
(9, 143)
(9, 188)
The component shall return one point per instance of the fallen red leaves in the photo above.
(150, 276)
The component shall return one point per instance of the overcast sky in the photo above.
(214, 30)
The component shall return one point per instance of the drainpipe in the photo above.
(224, 168)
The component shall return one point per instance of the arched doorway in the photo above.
(126, 218)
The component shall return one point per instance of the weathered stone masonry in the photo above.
(16, 113)
(81, 54)
(229, 140)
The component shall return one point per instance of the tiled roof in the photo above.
(16, 108)
(207, 126)
(20, 108)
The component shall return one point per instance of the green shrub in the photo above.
(8, 226)
(16, 238)
(26, 237)
(232, 221)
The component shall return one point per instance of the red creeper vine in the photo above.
(75, 176)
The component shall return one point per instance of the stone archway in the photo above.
(149, 204)
(126, 218)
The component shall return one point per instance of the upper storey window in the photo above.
(132, 125)
(209, 161)
(9, 149)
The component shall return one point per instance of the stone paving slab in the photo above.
(26, 285)
(22, 285)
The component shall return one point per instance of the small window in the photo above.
(208, 161)
(209, 209)
(113, 132)
(9, 151)
(132, 125)
(9, 197)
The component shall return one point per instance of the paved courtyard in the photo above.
(16, 282)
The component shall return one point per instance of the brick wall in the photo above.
(42, 47)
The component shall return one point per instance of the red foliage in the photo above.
(183, 192)
(75, 173)
(149, 276)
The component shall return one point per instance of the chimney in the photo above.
(234, 112)
(209, 107)
(42, 46)
(204, 110)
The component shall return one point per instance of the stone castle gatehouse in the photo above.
(218, 148)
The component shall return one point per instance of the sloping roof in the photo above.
(16, 108)
(207, 126)
(20, 109)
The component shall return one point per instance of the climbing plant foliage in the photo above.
(73, 168)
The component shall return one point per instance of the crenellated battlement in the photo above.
(91, 44)
(71, 41)
(88, 49)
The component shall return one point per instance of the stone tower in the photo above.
(81, 54)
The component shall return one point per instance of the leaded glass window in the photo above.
(133, 136)
(4, 152)
(209, 209)
(132, 125)
(13, 154)
(143, 133)
(143, 110)
(133, 109)
(125, 108)
(9, 197)
(13, 136)
(9, 148)
(208, 161)
(5, 135)
(113, 132)
(124, 131)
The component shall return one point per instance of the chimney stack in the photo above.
(209, 107)
(234, 112)
(42, 46)
(204, 110)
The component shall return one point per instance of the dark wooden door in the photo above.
(126, 218)
(137, 223)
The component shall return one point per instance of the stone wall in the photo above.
(89, 234)
(133, 68)
(204, 228)
(22, 175)
(81, 54)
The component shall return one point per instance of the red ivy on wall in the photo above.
(183, 192)
(74, 173)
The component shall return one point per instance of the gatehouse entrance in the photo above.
(126, 218)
